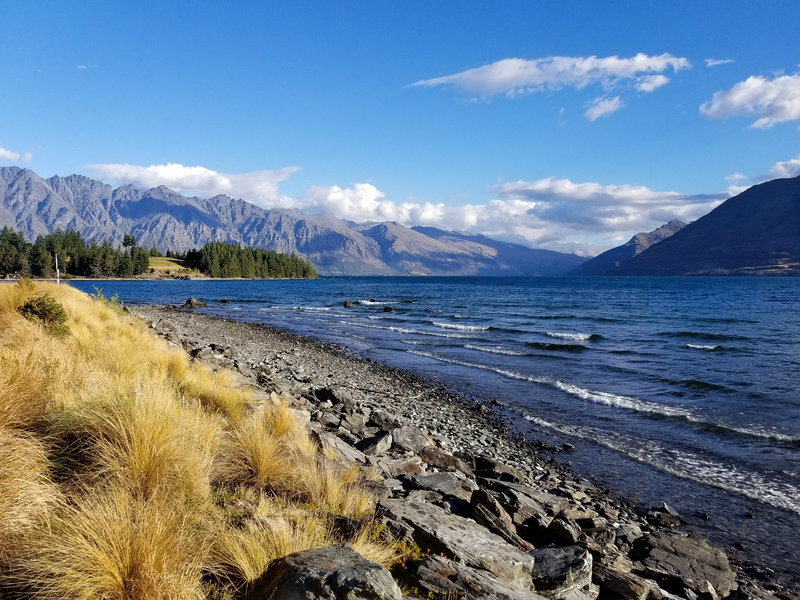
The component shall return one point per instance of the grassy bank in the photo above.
(126, 471)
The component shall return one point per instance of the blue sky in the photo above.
(565, 125)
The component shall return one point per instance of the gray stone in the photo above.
(385, 420)
(563, 530)
(394, 467)
(447, 484)
(436, 457)
(377, 444)
(678, 563)
(552, 503)
(194, 303)
(337, 448)
(461, 540)
(331, 573)
(410, 438)
(563, 573)
(620, 584)
(442, 578)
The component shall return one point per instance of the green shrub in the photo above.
(114, 303)
(48, 313)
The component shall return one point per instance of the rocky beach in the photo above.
(488, 514)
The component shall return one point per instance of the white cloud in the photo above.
(258, 187)
(558, 214)
(514, 76)
(651, 82)
(601, 107)
(771, 100)
(12, 156)
(549, 213)
(786, 168)
(715, 62)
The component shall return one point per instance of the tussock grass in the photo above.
(109, 545)
(26, 492)
(213, 390)
(137, 435)
(278, 528)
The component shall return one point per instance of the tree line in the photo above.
(80, 258)
(218, 259)
(76, 256)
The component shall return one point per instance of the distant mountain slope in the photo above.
(610, 261)
(166, 219)
(512, 259)
(754, 233)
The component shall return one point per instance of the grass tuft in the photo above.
(109, 545)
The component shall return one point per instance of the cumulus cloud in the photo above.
(558, 214)
(715, 62)
(771, 100)
(601, 107)
(651, 82)
(12, 156)
(259, 187)
(786, 168)
(514, 76)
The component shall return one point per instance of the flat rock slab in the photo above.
(447, 484)
(338, 448)
(676, 562)
(461, 540)
(410, 438)
(331, 573)
(440, 577)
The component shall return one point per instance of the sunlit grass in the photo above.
(114, 451)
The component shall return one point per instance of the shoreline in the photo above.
(301, 366)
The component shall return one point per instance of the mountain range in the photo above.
(754, 233)
(168, 220)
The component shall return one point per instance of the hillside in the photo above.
(754, 233)
(610, 261)
(163, 218)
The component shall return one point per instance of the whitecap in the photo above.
(461, 327)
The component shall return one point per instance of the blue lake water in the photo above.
(683, 390)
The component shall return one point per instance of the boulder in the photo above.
(551, 502)
(331, 573)
(563, 530)
(375, 445)
(563, 573)
(458, 539)
(337, 448)
(194, 303)
(410, 438)
(446, 484)
(487, 511)
(620, 584)
(436, 457)
(679, 563)
(439, 577)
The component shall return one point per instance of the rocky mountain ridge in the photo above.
(754, 233)
(163, 218)
(610, 261)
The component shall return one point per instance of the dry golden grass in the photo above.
(213, 389)
(136, 434)
(112, 448)
(26, 493)
(277, 528)
(109, 545)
